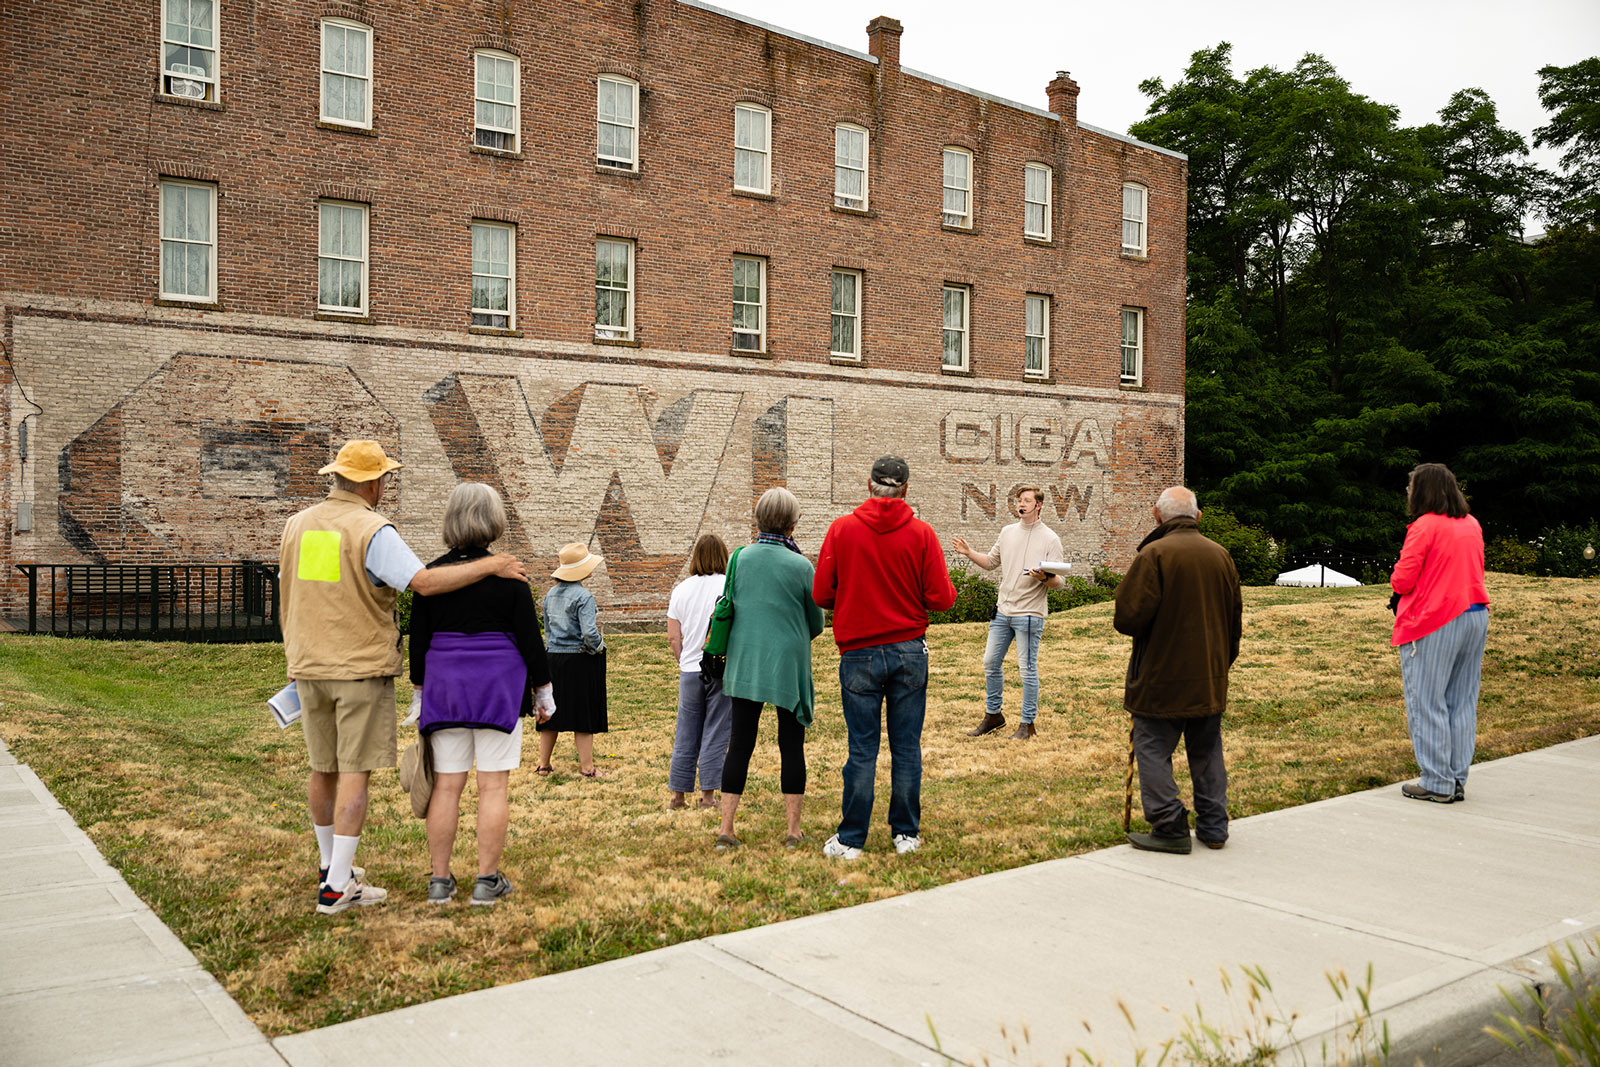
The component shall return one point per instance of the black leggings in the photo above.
(791, 747)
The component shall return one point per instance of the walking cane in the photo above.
(1127, 798)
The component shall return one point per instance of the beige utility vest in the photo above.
(337, 625)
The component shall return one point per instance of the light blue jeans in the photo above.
(1026, 629)
(1440, 673)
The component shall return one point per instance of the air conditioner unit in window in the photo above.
(188, 87)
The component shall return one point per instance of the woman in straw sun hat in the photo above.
(577, 656)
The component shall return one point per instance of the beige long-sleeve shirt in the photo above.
(1016, 551)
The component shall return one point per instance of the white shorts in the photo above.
(453, 750)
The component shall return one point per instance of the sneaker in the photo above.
(356, 894)
(838, 850)
(1461, 792)
(904, 843)
(441, 890)
(489, 888)
(726, 842)
(358, 873)
(1416, 792)
(1210, 843)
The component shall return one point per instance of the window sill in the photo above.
(859, 212)
(1042, 242)
(618, 342)
(500, 153)
(753, 194)
(947, 228)
(618, 172)
(196, 305)
(1039, 379)
(184, 101)
(956, 372)
(493, 331)
(846, 361)
(745, 353)
(1133, 387)
(357, 318)
(339, 127)
(1140, 257)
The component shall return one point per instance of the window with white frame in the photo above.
(188, 241)
(845, 336)
(613, 289)
(497, 101)
(850, 167)
(494, 275)
(749, 304)
(957, 187)
(956, 300)
(1036, 193)
(1036, 336)
(752, 148)
(346, 72)
(189, 49)
(1132, 346)
(342, 257)
(1135, 201)
(617, 118)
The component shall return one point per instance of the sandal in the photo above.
(544, 772)
(591, 774)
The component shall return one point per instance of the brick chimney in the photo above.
(1064, 97)
(883, 41)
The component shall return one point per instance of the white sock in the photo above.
(324, 842)
(344, 856)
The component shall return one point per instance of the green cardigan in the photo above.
(774, 622)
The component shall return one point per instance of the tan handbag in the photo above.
(416, 775)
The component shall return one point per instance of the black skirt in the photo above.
(578, 683)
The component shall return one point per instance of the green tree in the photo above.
(1573, 95)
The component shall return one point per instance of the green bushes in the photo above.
(1257, 557)
(402, 611)
(1557, 553)
(976, 596)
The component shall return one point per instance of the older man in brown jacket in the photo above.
(1180, 603)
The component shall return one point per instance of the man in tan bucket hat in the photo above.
(341, 568)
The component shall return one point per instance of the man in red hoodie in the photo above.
(882, 570)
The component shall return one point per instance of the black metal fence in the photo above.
(219, 602)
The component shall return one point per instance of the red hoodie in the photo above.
(881, 570)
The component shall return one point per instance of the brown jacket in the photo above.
(1180, 603)
(337, 625)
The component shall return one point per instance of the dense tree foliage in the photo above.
(1362, 298)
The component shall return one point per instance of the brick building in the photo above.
(502, 240)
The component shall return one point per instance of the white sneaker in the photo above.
(840, 851)
(356, 894)
(904, 843)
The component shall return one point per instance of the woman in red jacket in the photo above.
(1440, 626)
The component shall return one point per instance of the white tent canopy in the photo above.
(1316, 575)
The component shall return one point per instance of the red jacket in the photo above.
(1440, 574)
(881, 570)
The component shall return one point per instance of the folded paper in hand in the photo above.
(285, 705)
(1051, 566)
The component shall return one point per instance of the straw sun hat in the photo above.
(577, 563)
(361, 461)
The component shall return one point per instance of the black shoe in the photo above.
(989, 724)
(1151, 843)
(1461, 792)
(1416, 792)
(1213, 844)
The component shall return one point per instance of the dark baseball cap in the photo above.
(891, 470)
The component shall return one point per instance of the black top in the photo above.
(494, 604)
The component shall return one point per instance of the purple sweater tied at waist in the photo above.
(475, 681)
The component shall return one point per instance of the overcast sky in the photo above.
(1408, 53)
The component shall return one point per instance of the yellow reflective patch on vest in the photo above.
(319, 556)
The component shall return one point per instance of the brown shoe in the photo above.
(1024, 732)
(989, 724)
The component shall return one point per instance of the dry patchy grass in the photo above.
(166, 756)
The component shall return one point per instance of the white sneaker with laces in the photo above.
(838, 850)
(904, 843)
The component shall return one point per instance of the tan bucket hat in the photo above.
(577, 563)
(361, 461)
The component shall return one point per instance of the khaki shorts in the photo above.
(349, 725)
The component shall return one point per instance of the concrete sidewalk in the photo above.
(1447, 904)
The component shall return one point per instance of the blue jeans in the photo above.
(1440, 673)
(896, 674)
(705, 721)
(1026, 629)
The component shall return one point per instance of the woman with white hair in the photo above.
(477, 659)
(769, 659)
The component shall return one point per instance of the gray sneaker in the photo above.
(489, 889)
(441, 890)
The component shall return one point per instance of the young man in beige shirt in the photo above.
(1022, 608)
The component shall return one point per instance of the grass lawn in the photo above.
(168, 757)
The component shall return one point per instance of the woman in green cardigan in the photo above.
(769, 658)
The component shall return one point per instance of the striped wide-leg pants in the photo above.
(1440, 673)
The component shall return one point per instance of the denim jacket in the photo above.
(570, 620)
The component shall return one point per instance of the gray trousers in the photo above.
(1154, 741)
(705, 722)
